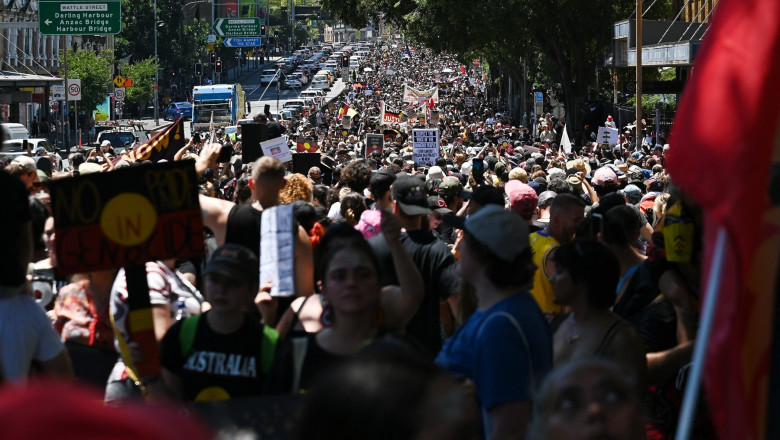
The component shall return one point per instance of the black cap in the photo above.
(234, 261)
(411, 195)
(436, 203)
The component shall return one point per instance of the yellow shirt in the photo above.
(542, 245)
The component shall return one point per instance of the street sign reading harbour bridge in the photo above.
(79, 17)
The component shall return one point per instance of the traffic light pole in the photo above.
(156, 72)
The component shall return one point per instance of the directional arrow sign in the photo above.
(237, 27)
(79, 17)
(243, 42)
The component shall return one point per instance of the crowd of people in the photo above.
(512, 288)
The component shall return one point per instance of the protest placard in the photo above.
(277, 147)
(425, 144)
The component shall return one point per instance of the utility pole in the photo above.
(156, 72)
(638, 71)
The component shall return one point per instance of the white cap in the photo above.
(105, 142)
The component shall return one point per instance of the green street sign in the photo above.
(79, 17)
(237, 27)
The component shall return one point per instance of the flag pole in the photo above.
(702, 338)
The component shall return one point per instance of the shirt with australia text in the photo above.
(217, 366)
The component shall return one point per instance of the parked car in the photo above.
(16, 147)
(178, 110)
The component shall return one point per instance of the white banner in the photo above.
(414, 96)
(425, 144)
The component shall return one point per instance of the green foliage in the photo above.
(142, 73)
(94, 71)
(649, 102)
(177, 44)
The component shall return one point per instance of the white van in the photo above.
(15, 131)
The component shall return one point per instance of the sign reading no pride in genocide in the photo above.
(78, 17)
(425, 144)
(127, 217)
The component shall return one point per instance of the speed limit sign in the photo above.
(74, 89)
(119, 94)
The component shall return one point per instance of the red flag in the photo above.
(735, 81)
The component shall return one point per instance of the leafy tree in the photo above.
(178, 45)
(142, 73)
(94, 71)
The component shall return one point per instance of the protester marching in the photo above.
(403, 261)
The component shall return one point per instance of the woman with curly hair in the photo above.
(298, 187)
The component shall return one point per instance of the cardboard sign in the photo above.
(277, 148)
(127, 217)
(607, 135)
(346, 121)
(425, 144)
(374, 142)
(434, 116)
(278, 230)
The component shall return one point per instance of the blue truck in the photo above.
(225, 102)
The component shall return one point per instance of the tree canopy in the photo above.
(94, 71)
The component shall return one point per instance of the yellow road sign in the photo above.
(119, 81)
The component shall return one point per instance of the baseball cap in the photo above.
(632, 192)
(436, 203)
(603, 176)
(411, 195)
(105, 142)
(451, 186)
(503, 232)
(234, 261)
(523, 200)
(25, 162)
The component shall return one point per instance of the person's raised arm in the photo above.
(400, 302)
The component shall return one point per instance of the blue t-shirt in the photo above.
(489, 349)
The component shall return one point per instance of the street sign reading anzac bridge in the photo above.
(77, 17)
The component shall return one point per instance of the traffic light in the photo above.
(198, 69)
(262, 29)
(345, 61)
(213, 57)
(218, 65)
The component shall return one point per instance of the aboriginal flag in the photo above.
(736, 79)
(343, 111)
(163, 145)
(307, 144)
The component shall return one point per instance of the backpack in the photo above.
(268, 349)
